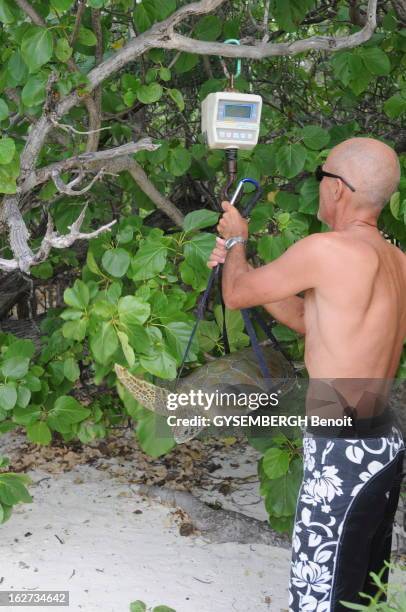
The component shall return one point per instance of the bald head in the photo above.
(371, 166)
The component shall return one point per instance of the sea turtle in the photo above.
(236, 372)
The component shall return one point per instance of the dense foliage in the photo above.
(134, 296)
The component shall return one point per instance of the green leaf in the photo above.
(281, 498)
(43, 270)
(186, 62)
(17, 69)
(160, 364)
(198, 219)
(71, 369)
(104, 344)
(208, 28)
(36, 47)
(76, 330)
(138, 606)
(163, 609)
(39, 433)
(63, 50)
(66, 412)
(149, 260)
(23, 396)
(77, 296)
(12, 489)
(164, 73)
(127, 349)
(86, 37)
(315, 137)
(395, 106)
(394, 204)
(147, 94)
(200, 246)
(8, 11)
(143, 17)
(7, 150)
(8, 397)
(375, 60)
(275, 462)
(15, 367)
(151, 444)
(33, 92)
(290, 159)
(116, 262)
(178, 161)
(62, 5)
(178, 335)
(290, 13)
(133, 310)
(4, 110)
(271, 247)
(177, 97)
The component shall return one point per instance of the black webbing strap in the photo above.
(267, 328)
(223, 310)
(255, 345)
(201, 309)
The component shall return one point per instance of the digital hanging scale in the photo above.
(231, 120)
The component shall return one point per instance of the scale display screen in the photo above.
(238, 110)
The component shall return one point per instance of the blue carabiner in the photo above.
(253, 200)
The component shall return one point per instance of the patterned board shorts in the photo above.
(344, 517)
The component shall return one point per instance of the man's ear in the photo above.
(338, 189)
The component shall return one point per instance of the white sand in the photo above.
(111, 556)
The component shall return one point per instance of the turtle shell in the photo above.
(241, 370)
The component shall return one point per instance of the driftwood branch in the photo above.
(220, 525)
(25, 258)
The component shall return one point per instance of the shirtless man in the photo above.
(353, 317)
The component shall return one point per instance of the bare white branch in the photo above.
(24, 261)
(68, 188)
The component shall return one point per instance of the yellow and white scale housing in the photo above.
(231, 119)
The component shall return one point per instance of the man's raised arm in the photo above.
(275, 285)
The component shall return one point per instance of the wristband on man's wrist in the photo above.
(230, 242)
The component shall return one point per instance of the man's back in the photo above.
(356, 318)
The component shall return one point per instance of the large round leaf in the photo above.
(291, 159)
(33, 92)
(198, 219)
(36, 47)
(116, 262)
(178, 161)
(315, 137)
(149, 260)
(132, 310)
(104, 344)
(8, 397)
(149, 93)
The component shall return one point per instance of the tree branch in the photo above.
(111, 160)
(31, 12)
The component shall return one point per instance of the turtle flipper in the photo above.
(150, 396)
(154, 398)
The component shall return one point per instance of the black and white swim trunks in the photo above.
(345, 511)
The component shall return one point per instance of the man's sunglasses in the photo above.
(319, 173)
